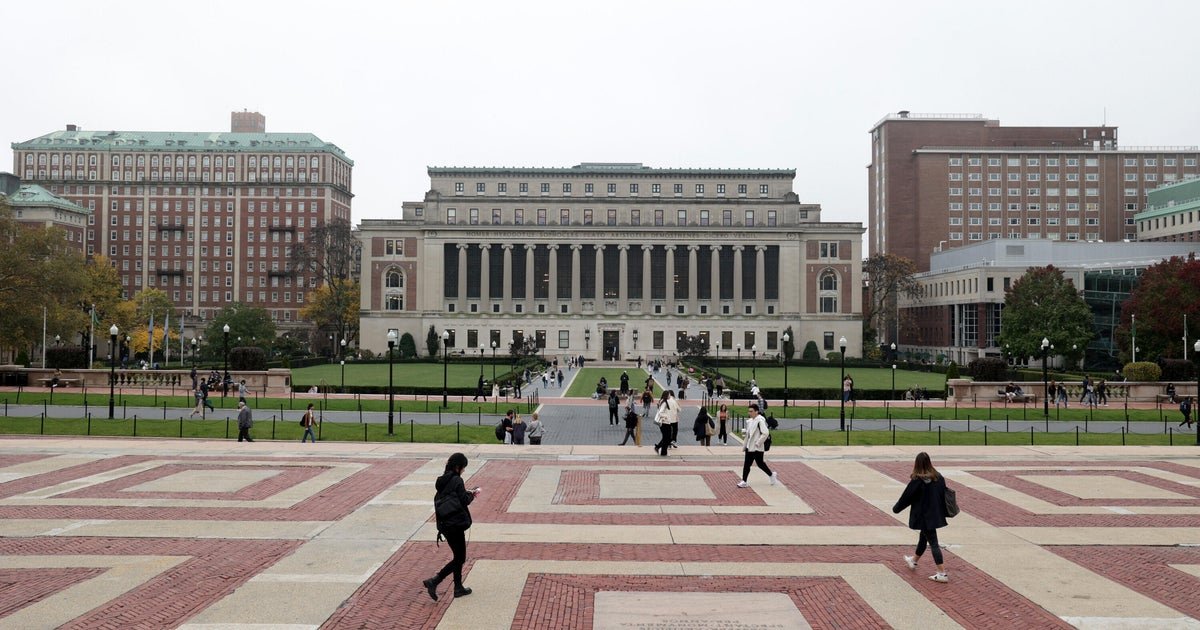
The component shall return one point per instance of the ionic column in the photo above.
(693, 280)
(599, 277)
(670, 278)
(576, 274)
(507, 307)
(552, 292)
(529, 292)
(462, 276)
(737, 279)
(760, 279)
(485, 277)
(714, 280)
(623, 281)
(647, 292)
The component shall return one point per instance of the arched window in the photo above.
(393, 290)
(394, 280)
(829, 281)
(827, 293)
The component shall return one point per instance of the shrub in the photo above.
(1143, 371)
(810, 352)
(23, 358)
(1177, 370)
(952, 370)
(989, 369)
(833, 356)
(247, 358)
(408, 346)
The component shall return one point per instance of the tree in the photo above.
(693, 347)
(789, 346)
(1044, 304)
(408, 346)
(891, 277)
(334, 307)
(152, 303)
(101, 290)
(251, 323)
(811, 353)
(329, 251)
(1164, 295)
(432, 342)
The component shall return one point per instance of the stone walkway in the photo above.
(211, 535)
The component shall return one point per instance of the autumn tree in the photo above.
(1045, 304)
(334, 307)
(330, 252)
(1165, 295)
(891, 278)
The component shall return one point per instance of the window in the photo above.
(749, 218)
(656, 188)
(993, 161)
(589, 189)
(763, 190)
(496, 216)
(955, 161)
(955, 192)
(681, 217)
(481, 187)
(459, 187)
(564, 217)
(393, 247)
(829, 249)
(727, 217)
(720, 189)
(635, 217)
(678, 189)
(451, 216)
(633, 189)
(741, 189)
(522, 187)
(566, 188)
(541, 219)
(612, 189)
(772, 218)
(658, 217)
(519, 216)
(587, 216)
(704, 217)
(545, 189)
(474, 216)
(501, 188)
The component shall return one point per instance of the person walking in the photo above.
(536, 430)
(708, 386)
(702, 428)
(307, 421)
(199, 409)
(479, 390)
(667, 418)
(723, 419)
(204, 395)
(450, 506)
(647, 400)
(245, 421)
(631, 423)
(925, 496)
(847, 388)
(518, 434)
(720, 385)
(560, 379)
(507, 423)
(624, 383)
(754, 448)
(1102, 392)
(1185, 408)
(614, 403)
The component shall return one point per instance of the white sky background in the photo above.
(404, 85)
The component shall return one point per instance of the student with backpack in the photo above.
(453, 520)
(1185, 408)
(758, 434)
(307, 421)
(925, 496)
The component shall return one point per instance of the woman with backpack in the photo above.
(667, 419)
(453, 520)
(925, 496)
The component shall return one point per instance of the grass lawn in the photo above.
(830, 377)
(403, 374)
(585, 382)
(937, 410)
(974, 438)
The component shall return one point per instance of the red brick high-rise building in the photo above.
(939, 181)
(208, 218)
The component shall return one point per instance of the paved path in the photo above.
(207, 535)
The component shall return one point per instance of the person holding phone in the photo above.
(453, 520)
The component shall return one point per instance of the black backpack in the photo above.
(500, 431)
(772, 423)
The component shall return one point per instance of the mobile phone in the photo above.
(477, 489)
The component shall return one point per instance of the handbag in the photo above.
(951, 503)
(709, 428)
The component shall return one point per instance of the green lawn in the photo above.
(585, 381)
(830, 377)
(974, 438)
(937, 410)
(403, 374)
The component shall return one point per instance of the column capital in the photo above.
(507, 246)
(715, 248)
(693, 248)
(485, 246)
(576, 247)
(647, 248)
(670, 248)
(760, 248)
(463, 246)
(553, 247)
(623, 247)
(530, 247)
(738, 248)
(599, 247)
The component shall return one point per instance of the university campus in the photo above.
(328, 378)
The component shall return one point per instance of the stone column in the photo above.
(576, 274)
(737, 279)
(462, 277)
(714, 302)
(552, 294)
(529, 292)
(693, 279)
(647, 293)
(670, 279)
(760, 279)
(485, 277)
(507, 307)
(623, 282)
(599, 278)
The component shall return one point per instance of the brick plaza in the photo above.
(140, 533)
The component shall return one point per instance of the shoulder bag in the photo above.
(951, 503)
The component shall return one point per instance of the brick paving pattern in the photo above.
(582, 487)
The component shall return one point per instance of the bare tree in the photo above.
(329, 253)
(891, 277)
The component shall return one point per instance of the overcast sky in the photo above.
(404, 85)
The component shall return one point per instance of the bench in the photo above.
(1159, 399)
(1027, 398)
(62, 382)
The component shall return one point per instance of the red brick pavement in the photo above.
(1004, 514)
(1013, 480)
(12, 459)
(831, 503)
(394, 597)
(288, 476)
(328, 504)
(582, 487)
(214, 569)
(25, 587)
(1144, 570)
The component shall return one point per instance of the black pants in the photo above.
(244, 432)
(722, 434)
(612, 415)
(665, 442)
(754, 457)
(457, 541)
(929, 536)
(628, 434)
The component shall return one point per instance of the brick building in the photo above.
(941, 181)
(206, 217)
(33, 205)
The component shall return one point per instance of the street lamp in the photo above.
(739, 362)
(1196, 407)
(494, 344)
(343, 366)
(391, 338)
(445, 367)
(1045, 378)
(786, 339)
(225, 383)
(717, 361)
(635, 338)
(754, 363)
(841, 383)
(893, 381)
(893, 352)
(112, 370)
(194, 346)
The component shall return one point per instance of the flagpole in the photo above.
(150, 336)
(167, 339)
(43, 337)
(92, 339)
(1134, 337)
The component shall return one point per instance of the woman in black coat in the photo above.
(453, 524)
(700, 427)
(925, 495)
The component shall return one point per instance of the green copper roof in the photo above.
(607, 168)
(180, 141)
(34, 196)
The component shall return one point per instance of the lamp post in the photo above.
(194, 346)
(739, 362)
(841, 386)
(1196, 407)
(786, 339)
(343, 366)
(635, 338)
(445, 367)
(754, 363)
(112, 369)
(391, 338)
(893, 352)
(893, 381)
(224, 383)
(1045, 378)
(717, 361)
(494, 362)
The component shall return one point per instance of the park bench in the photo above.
(62, 382)
(1028, 398)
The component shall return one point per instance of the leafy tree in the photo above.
(433, 343)
(245, 321)
(408, 346)
(101, 289)
(1044, 304)
(693, 347)
(152, 303)
(891, 277)
(789, 346)
(334, 307)
(1164, 295)
(811, 353)
(1142, 371)
(330, 251)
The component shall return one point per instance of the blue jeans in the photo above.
(308, 433)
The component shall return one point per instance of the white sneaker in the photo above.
(911, 561)
(774, 478)
(743, 484)
(940, 577)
